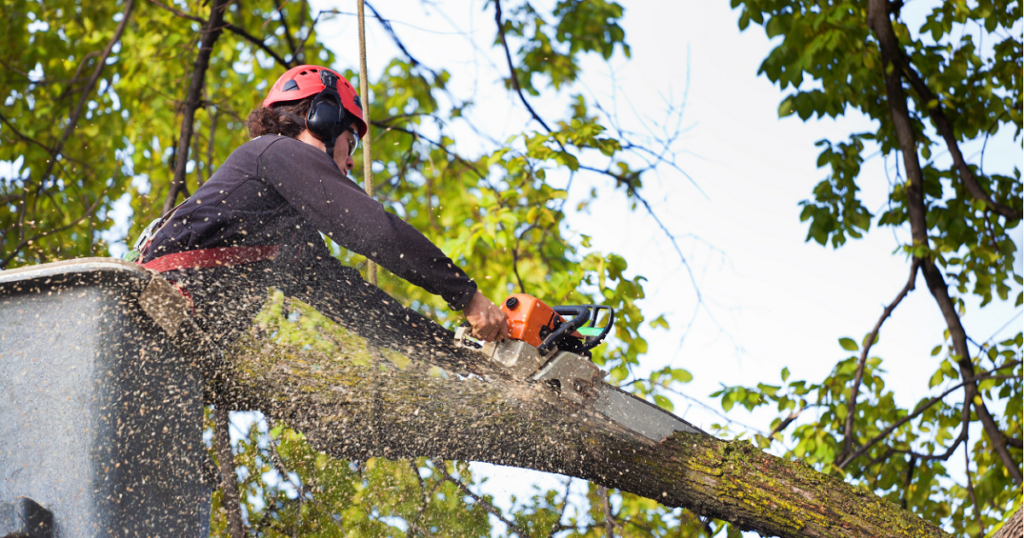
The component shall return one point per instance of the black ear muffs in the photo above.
(326, 118)
(324, 114)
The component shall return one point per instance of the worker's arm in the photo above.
(311, 183)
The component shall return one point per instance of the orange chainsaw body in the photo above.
(529, 319)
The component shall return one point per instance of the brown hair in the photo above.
(286, 119)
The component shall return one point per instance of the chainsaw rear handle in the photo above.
(582, 314)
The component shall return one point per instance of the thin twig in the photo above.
(482, 502)
(398, 42)
(557, 526)
(793, 415)
(298, 52)
(970, 492)
(852, 407)
(287, 30)
(713, 410)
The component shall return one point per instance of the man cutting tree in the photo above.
(258, 220)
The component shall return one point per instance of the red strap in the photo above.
(212, 257)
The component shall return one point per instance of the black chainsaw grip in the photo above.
(582, 314)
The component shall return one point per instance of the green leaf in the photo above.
(848, 344)
(663, 402)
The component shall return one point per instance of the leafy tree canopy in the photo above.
(95, 98)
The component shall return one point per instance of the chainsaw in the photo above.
(545, 347)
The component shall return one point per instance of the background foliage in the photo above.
(94, 101)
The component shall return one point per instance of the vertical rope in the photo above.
(364, 96)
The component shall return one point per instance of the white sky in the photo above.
(772, 299)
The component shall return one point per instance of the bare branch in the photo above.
(852, 406)
(970, 492)
(511, 66)
(211, 32)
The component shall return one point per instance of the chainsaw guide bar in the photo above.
(565, 368)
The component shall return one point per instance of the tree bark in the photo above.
(211, 32)
(428, 398)
(1013, 528)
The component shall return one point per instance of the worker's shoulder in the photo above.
(277, 146)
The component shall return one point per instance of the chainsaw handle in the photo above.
(582, 315)
(595, 309)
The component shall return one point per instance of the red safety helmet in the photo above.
(329, 87)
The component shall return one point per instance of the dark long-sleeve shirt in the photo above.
(277, 190)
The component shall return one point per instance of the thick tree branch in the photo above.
(355, 408)
(229, 485)
(852, 406)
(933, 105)
(261, 43)
(211, 32)
(881, 26)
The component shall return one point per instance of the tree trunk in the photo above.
(211, 31)
(1013, 528)
(432, 399)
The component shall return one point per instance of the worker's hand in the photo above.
(488, 321)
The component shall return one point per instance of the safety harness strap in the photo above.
(212, 257)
